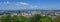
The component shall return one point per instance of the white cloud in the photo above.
(27, 5)
(0, 3)
(6, 2)
(21, 4)
(33, 6)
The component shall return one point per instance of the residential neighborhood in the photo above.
(28, 14)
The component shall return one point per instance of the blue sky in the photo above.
(29, 4)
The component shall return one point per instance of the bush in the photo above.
(57, 19)
(35, 18)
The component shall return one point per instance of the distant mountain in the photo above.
(28, 10)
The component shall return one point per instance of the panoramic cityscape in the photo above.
(29, 10)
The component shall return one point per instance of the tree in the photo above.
(57, 19)
(18, 19)
(6, 19)
(36, 18)
(46, 19)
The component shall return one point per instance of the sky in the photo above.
(29, 4)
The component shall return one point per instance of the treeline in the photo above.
(35, 18)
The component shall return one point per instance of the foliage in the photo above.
(35, 18)
(46, 19)
(5, 19)
(57, 19)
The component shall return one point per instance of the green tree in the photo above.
(18, 19)
(36, 18)
(57, 19)
(46, 19)
(6, 19)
